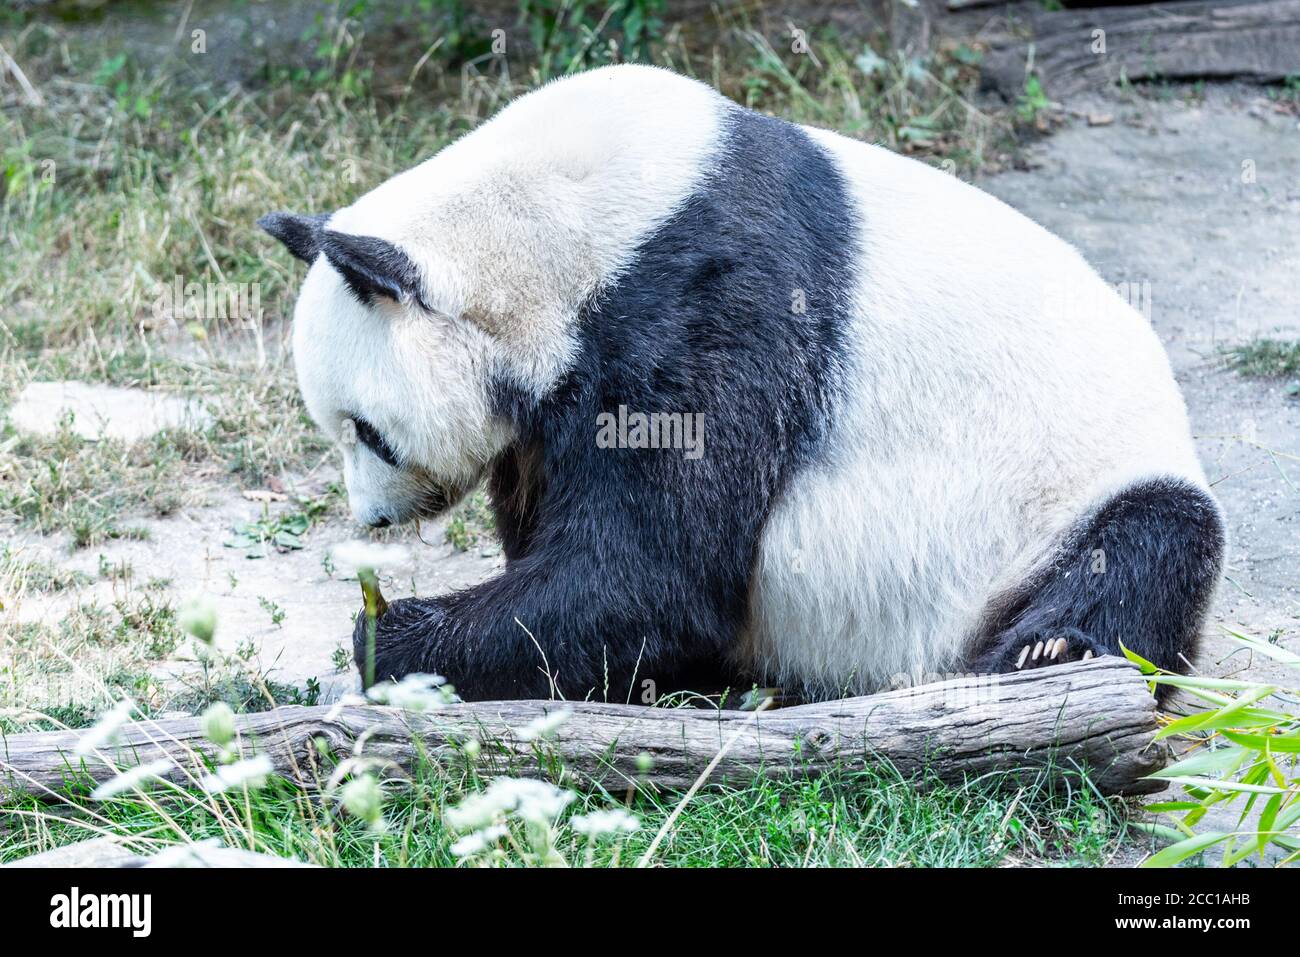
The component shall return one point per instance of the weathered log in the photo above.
(1096, 715)
(1252, 39)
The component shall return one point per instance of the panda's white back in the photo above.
(1002, 387)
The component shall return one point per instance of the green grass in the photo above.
(471, 522)
(858, 819)
(67, 483)
(1265, 358)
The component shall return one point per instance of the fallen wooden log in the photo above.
(1090, 48)
(1096, 715)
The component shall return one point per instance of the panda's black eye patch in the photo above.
(369, 436)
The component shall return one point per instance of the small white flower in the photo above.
(346, 701)
(354, 556)
(533, 801)
(131, 779)
(414, 693)
(105, 731)
(218, 724)
(198, 617)
(473, 813)
(251, 771)
(363, 797)
(603, 823)
(543, 726)
(184, 855)
(478, 841)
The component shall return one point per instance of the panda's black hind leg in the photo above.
(1140, 570)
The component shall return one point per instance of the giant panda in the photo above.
(933, 440)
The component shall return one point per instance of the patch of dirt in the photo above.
(186, 552)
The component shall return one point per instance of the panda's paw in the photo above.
(1055, 647)
(1026, 648)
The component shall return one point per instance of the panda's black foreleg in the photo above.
(1141, 571)
(548, 630)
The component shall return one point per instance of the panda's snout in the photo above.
(372, 516)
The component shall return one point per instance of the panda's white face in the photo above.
(402, 390)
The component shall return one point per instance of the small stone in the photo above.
(102, 411)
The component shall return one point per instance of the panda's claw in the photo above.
(1043, 649)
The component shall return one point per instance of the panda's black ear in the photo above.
(300, 234)
(373, 267)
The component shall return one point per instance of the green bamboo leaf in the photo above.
(1235, 714)
(1214, 785)
(1176, 853)
(1291, 814)
(1162, 831)
(1287, 842)
(1205, 762)
(1146, 667)
(1232, 855)
(1276, 652)
(1221, 684)
(1267, 819)
(1289, 743)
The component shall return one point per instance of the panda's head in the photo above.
(390, 370)
(471, 269)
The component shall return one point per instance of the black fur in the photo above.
(300, 234)
(1141, 571)
(628, 565)
(370, 437)
(372, 267)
